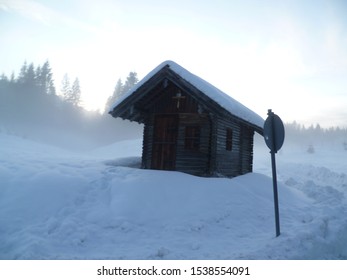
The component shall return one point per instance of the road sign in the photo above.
(274, 138)
(273, 132)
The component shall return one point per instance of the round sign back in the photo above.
(273, 132)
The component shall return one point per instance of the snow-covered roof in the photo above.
(224, 100)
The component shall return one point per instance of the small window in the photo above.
(229, 140)
(192, 138)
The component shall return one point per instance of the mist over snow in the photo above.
(98, 204)
(71, 186)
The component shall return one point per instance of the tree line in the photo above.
(121, 89)
(31, 106)
(33, 92)
(314, 137)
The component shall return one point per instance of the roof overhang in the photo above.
(128, 106)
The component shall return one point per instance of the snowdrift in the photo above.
(57, 204)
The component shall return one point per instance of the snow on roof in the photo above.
(224, 100)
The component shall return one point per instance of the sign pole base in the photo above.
(274, 179)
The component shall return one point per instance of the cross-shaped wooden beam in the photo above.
(178, 97)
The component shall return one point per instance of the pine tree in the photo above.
(118, 90)
(130, 82)
(76, 93)
(12, 79)
(66, 88)
(116, 94)
(3, 78)
(4, 85)
(121, 89)
(27, 75)
(30, 74)
(22, 73)
(71, 94)
(38, 76)
(26, 83)
(45, 79)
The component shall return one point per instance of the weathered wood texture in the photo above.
(212, 158)
(193, 161)
(239, 159)
(147, 145)
(186, 160)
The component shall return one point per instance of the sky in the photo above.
(288, 56)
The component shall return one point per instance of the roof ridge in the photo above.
(224, 100)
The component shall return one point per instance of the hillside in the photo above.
(58, 204)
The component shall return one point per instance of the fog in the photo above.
(74, 129)
(95, 131)
(30, 108)
(309, 140)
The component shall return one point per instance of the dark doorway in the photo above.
(164, 144)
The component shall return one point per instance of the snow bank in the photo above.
(61, 205)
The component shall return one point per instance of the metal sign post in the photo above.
(275, 190)
(274, 138)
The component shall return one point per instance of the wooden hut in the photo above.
(190, 125)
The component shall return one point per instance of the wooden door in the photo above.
(164, 142)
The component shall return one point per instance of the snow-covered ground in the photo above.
(58, 204)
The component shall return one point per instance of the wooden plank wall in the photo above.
(212, 158)
(227, 162)
(194, 162)
(147, 143)
(188, 161)
(246, 154)
(239, 160)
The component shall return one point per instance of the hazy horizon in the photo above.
(290, 56)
